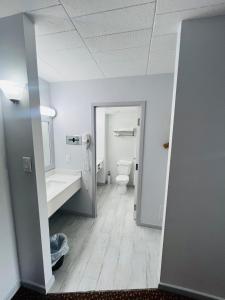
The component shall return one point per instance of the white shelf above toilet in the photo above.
(124, 132)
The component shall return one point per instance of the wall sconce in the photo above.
(47, 111)
(12, 90)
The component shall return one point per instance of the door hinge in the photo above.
(138, 122)
(136, 167)
(135, 207)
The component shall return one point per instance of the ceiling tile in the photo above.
(58, 41)
(118, 41)
(72, 64)
(17, 6)
(37, 4)
(169, 23)
(84, 7)
(121, 20)
(85, 70)
(163, 43)
(47, 72)
(160, 63)
(162, 54)
(51, 20)
(122, 54)
(126, 62)
(165, 6)
(67, 57)
(123, 69)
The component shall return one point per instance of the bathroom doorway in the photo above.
(118, 132)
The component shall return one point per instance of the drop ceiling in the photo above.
(90, 39)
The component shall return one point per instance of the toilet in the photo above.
(123, 171)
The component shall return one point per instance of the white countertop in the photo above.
(61, 185)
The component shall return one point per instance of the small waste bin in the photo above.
(59, 247)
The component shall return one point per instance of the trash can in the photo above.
(59, 247)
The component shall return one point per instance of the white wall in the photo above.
(23, 138)
(121, 147)
(44, 91)
(194, 240)
(101, 143)
(9, 270)
(73, 103)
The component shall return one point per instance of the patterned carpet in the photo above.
(148, 294)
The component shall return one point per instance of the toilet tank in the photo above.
(124, 167)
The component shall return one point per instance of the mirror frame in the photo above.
(51, 141)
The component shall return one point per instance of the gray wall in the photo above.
(73, 103)
(9, 271)
(194, 240)
(23, 138)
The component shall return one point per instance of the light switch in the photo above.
(27, 164)
(68, 158)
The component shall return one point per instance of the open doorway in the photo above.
(110, 251)
(118, 131)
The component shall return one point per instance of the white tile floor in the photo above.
(109, 252)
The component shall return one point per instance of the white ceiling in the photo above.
(88, 39)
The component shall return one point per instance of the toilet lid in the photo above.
(122, 178)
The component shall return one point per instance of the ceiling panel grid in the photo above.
(86, 39)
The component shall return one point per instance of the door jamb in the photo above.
(142, 105)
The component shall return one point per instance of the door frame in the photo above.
(142, 105)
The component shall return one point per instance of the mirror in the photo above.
(47, 136)
(46, 143)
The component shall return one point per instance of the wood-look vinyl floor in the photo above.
(110, 252)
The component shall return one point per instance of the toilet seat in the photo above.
(122, 179)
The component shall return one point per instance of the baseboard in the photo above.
(38, 287)
(50, 284)
(34, 286)
(187, 292)
(150, 226)
(13, 291)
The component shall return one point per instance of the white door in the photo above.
(136, 166)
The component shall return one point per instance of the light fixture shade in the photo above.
(47, 111)
(12, 90)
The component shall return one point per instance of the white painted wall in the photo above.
(44, 91)
(194, 239)
(9, 269)
(101, 143)
(73, 103)
(23, 138)
(121, 147)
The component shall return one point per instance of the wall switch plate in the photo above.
(27, 164)
(73, 140)
(68, 158)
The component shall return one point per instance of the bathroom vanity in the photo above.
(61, 185)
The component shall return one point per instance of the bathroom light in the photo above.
(13, 91)
(47, 111)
